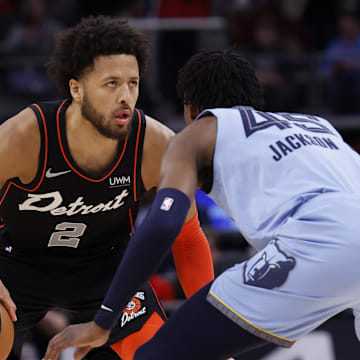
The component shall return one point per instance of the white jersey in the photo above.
(267, 164)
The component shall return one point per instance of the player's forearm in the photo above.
(147, 249)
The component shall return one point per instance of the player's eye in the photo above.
(133, 83)
(111, 84)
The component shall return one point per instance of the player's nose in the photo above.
(123, 94)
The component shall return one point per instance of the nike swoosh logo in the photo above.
(106, 308)
(50, 174)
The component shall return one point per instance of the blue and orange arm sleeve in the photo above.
(192, 256)
(147, 249)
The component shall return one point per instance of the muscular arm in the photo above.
(19, 154)
(19, 147)
(191, 250)
(157, 138)
(187, 153)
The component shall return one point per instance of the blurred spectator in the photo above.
(275, 43)
(273, 51)
(340, 67)
(318, 18)
(7, 16)
(239, 26)
(67, 12)
(176, 46)
(30, 39)
(106, 7)
(184, 8)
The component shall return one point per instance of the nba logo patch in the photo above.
(166, 204)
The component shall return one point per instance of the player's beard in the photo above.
(99, 122)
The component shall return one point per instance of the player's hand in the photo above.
(7, 301)
(84, 336)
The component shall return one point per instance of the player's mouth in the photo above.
(123, 117)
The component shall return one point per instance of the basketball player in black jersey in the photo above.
(72, 173)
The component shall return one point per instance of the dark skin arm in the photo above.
(187, 155)
(157, 138)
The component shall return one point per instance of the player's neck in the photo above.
(91, 150)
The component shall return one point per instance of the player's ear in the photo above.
(194, 111)
(75, 90)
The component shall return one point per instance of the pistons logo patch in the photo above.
(134, 309)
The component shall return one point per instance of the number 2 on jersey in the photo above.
(68, 235)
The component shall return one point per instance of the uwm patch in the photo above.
(134, 309)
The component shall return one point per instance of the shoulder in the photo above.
(196, 141)
(157, 138)
(187, 162)
(21, 127)
(157, 133)
(19, 146)
(196, 134)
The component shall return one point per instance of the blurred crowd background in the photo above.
(306, 54)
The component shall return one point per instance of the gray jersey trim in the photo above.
(246, 325)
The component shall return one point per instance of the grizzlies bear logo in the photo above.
(269, 268)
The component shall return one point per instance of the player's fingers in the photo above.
(81, 352)
(54, 348)
(10, 307)
(7, 301)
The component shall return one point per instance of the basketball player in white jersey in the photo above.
(291, 184)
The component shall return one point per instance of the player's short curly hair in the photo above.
(76, 48)
(213, 78)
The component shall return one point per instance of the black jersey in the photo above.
(65, 208)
